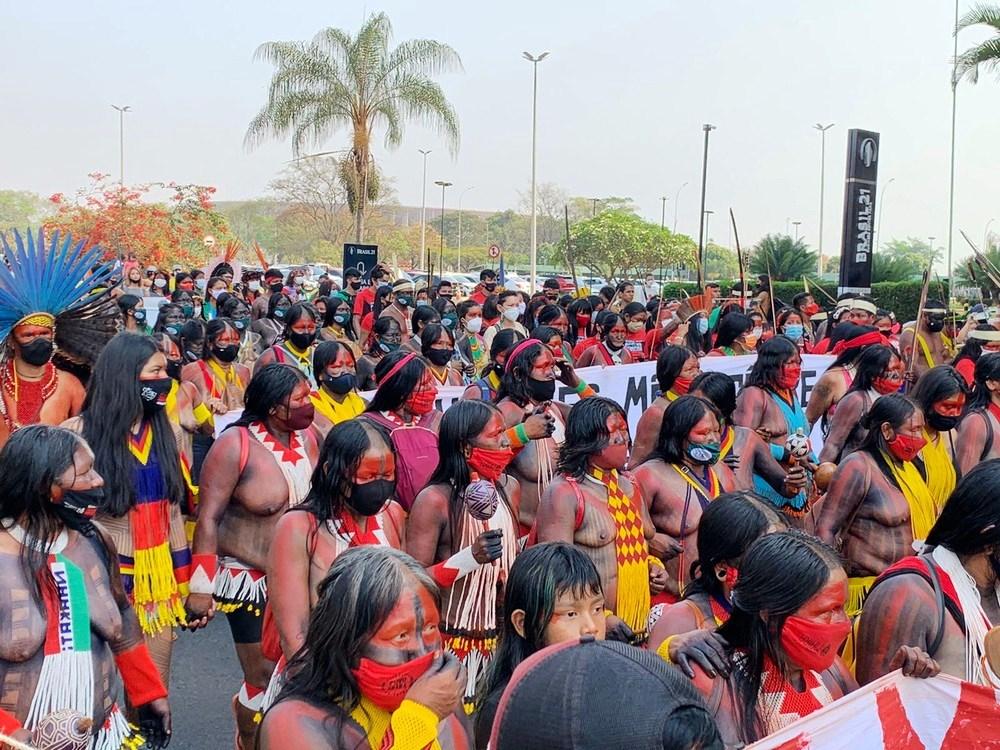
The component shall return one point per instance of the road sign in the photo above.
(494, 251)
(361, 257)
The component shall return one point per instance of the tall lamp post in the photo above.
(930, 242)
(444, 184)
(424, 255)
(534, 159)
(951, 188)
(663, 211)
(701, 217)
(462, 195)
(703, 257)
(796, 224)
(677, 199)
(822, 185)
(121, 142)
(881, 205)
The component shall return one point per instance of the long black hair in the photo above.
(731, 327)
(586, 434)
(845, 332)
(504, 340)
(874, 360)
(516, 371)
(272, 304)
(936, 385)
(579, 307)
(431, 333)
(161, 315)
(325, 353)
(987, 368)
(538, 577)
(718, 388)
(669, 364)
(295, 313)
(549, 315)
(422, 316)
(771, 355)
(695, 340)
(270, 386)
(390, 396)
(970, 521)
(110, 410)
(972, 349)
(779, 573)
(380, 328)
(679, 418)
(213, 329)
(730, 524)
(354, 599)
(895, 409)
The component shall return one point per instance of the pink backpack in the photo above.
(416, 449)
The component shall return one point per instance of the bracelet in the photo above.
(663, 650)
(522, 434)
(581, 386)
(140, 676)
(654, 560)
(201, 413)
(203, 570)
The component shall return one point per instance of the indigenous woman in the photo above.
(385, 338)
(769, 405)
(133, 313)
(470, 344)
(940, 393)
(437, 344)
(553, 594)
(678, 481)
(372, 673)
(878, 372)
(487, 386)
(847, 343)
(404, 405)
(733, 336)
(145, 491)
(216, 287)
(729, 525)
(49, 492)
(169, 318)
(593, 335)
(270, 327)
(676, 369)
(553, 340)
(593, 506)
(336, 399)
(790, 325)
(192, 340)
(470, 506)
(580, 313)
(238, 311)
(337, 325)
(985, 338)
(556, 318)
(635, 316)
(976, 440)
(422, 317)
(526, 391)
(297, 341)
(611, 349)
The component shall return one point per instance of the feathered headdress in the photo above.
(61, 286)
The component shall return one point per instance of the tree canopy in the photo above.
(785, 258)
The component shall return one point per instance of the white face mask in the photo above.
(512, 313)
(160, 283)
(521, 308)
(216, 293)
(474, 325)
(201, 283)
(253, 286)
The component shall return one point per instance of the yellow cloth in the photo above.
(917, 494)
(352, 406)
(414, 727)
(857, 590)
(941, 477)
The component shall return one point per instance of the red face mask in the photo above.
(885, 386)
(789, 376)
(811, 309)
(582, 321)
(386, 687)
(813, 645)
(422, 402)
(681, 385)
(489, 463)
(906, 447)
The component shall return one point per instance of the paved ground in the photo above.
(206, 676)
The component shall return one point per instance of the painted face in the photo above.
(617, 335)
(691, 369)
(410, 631)
(861, 317)
(187, 285)
(575, 616)
(912, 427)
(82, 475)
(25, 334)
(615, 454)
(173, 316)
(707, 430)
(827, 605)
(172, 351)
(228, 337)
(493, 436)
(542, 367)
(305, 325)
(953, 406)
(377, 463)
(561, 324)
(343, 363)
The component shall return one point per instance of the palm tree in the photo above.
(784, 258)
(338, 81)
(986, 54)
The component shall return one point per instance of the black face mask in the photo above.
(355, 285)
(941, 423)
(541, 390)
(279, 313)
(172, 329)
(342, 319)
(341, 384)
(301, 340)
(241, 325)
(76, 508)
(38, 352)
(174, 368)
(439, 357)
(226, 353)
(187, 311)
(276, 288)
(489, 286)
(154, 394)
(368, 499)
(192, 355)
(935, 325)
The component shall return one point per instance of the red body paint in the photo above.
(897, 732)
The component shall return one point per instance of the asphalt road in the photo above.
(205, 675)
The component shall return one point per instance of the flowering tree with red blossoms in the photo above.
(123, 221)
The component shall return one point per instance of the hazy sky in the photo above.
(622, 98)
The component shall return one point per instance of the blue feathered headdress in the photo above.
(48, 277)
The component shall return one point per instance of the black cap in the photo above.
(600, 695)
(550, 284)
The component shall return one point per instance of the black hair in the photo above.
(779, 573)
(380, 328)
(987, 368)
(695, 340)
(274, 300)
(545, 333)
(718, 388)
(970, 521)
(578, 307)
(799, 298)
(390, 396)
(845, 332)
(731, 327)
(871, 364)
(326, 314)
(895, 409)
(270, 386)
(550, 283)
(444, 305)
(430, 335)
(730, 524)
(972, 349)
(487, 273)
(514, 379)
(351, 273)
(491, 308)
(623, 285)
(325, 353)
(679, 418)
(607, 293)
(422, 315)
(111, 409)
(771, 355)
(633, 308)
(381, 295)
(161, 315)
(128, 302)
(233, 304)
(607, 320)
(669, 364)
(298, 311)
(214, 329)
(463, 307)
(586, 433)
(937, 384)
(538, 577)
(550, 314)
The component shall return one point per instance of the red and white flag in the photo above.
(899, 713)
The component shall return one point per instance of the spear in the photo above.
(924, 287)
(739, 260)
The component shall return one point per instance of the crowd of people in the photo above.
(396, 577)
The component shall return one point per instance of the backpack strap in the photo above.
(244, 447)
(989, 435)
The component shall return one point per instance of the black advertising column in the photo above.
(859, 212)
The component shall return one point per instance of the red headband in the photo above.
(398, 366)
(518, 349)
(865, 339)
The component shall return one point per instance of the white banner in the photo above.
(899, 713)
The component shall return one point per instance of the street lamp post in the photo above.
(951, 189)
(534, 159)
(930, 242)
(677, 199)
(796, 224)
(702, 270)
(424, 256)
(593, 210)
(822, 185)
(701, 219)
(444, 184)
(462, 195)
(881, 205)
(121, 142)
(663, 212)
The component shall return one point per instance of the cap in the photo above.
(402, 285)
(273, 273)
(598, 695)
